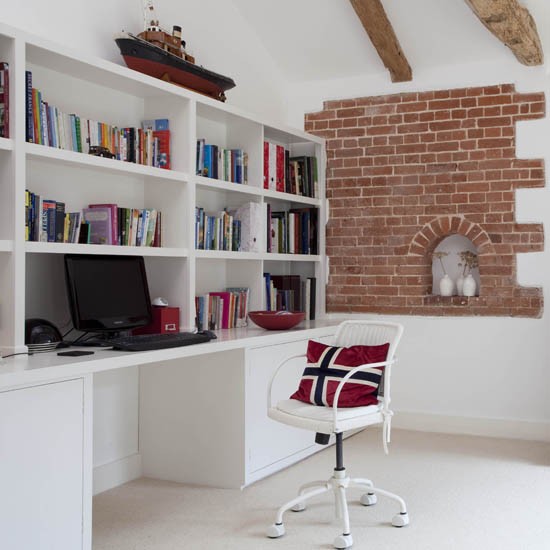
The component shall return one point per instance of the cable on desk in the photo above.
(20, 353)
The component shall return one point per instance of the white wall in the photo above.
(475, 367)
(214, 30)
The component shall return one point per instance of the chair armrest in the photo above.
(279, 367)
(347, 377)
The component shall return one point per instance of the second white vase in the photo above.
(469, 287)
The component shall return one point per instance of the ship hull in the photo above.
(151, 60)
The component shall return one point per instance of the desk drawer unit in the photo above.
(43, 495)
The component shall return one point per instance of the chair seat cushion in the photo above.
(297, 408)
(321, 419)
(326, 367)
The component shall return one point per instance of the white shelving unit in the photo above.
(6, 144)
(103, 91)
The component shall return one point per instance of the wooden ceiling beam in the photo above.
(375, 21)
(513, 25)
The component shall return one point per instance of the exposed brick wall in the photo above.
(406, 170)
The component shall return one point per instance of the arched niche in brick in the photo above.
(427, 239)
(454, 264)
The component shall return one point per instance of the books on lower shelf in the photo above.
(217, 231)
(47, 125)
(214, 161)
(4, 100)
(297, 175)
(230, 230)
(290, 293)
(219, 310)
(47, 221)
(292, 232)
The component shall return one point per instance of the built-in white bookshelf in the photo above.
(99, 90)
(6, 144)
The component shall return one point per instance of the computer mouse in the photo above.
(160, 301)
(208, 333)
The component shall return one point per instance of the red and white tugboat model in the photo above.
(160, 54)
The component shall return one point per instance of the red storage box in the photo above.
(165, 319)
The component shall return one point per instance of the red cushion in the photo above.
(327, 365)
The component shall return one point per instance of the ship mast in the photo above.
(150, 21)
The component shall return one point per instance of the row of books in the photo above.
(4, 100)
(220, 163)
(48, 125)
(297, 175)
(292, 232)
(227, 309)
(290, 293)
(217, 232)
(47, 221)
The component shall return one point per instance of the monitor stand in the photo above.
(100, 340)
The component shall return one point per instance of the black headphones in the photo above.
(41, 332)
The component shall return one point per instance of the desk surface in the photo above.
(23, 370)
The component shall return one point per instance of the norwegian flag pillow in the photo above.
(327, 365)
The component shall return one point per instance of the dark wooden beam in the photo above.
(513, 25)
(375, 21)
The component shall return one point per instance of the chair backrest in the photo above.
(370, 333)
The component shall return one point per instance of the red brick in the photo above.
(404, 184)
(351, 112)
(494, 121)
(412, 107)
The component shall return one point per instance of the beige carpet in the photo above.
(463, 493)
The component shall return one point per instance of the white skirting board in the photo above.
(116, 473)
(112, 474)
(488, 427)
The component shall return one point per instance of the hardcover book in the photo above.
(266, 165)
(114, 220)
(99, 220)
(250, 217)
(59, 223)
(29, 133)
(225, 298)
(47, 221)
(4, 100)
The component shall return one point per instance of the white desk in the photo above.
(202, 415)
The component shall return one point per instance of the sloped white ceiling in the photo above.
(324, 39)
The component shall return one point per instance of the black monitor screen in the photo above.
(107, 293)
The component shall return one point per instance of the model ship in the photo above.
(160, 54)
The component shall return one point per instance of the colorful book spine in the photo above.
(29, 130)
(47, 221)
(59, 222)
(4, 100)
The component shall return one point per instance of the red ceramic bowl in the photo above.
(276, 320)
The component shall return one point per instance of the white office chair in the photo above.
(332, 420)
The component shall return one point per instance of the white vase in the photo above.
(459, 285)
(469, 287)
(446, 286)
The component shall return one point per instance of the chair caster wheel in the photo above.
(300, 507)
(343, 541)
(368, 499)
(400, 520)
(275, 531)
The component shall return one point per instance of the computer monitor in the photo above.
(107, 293)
